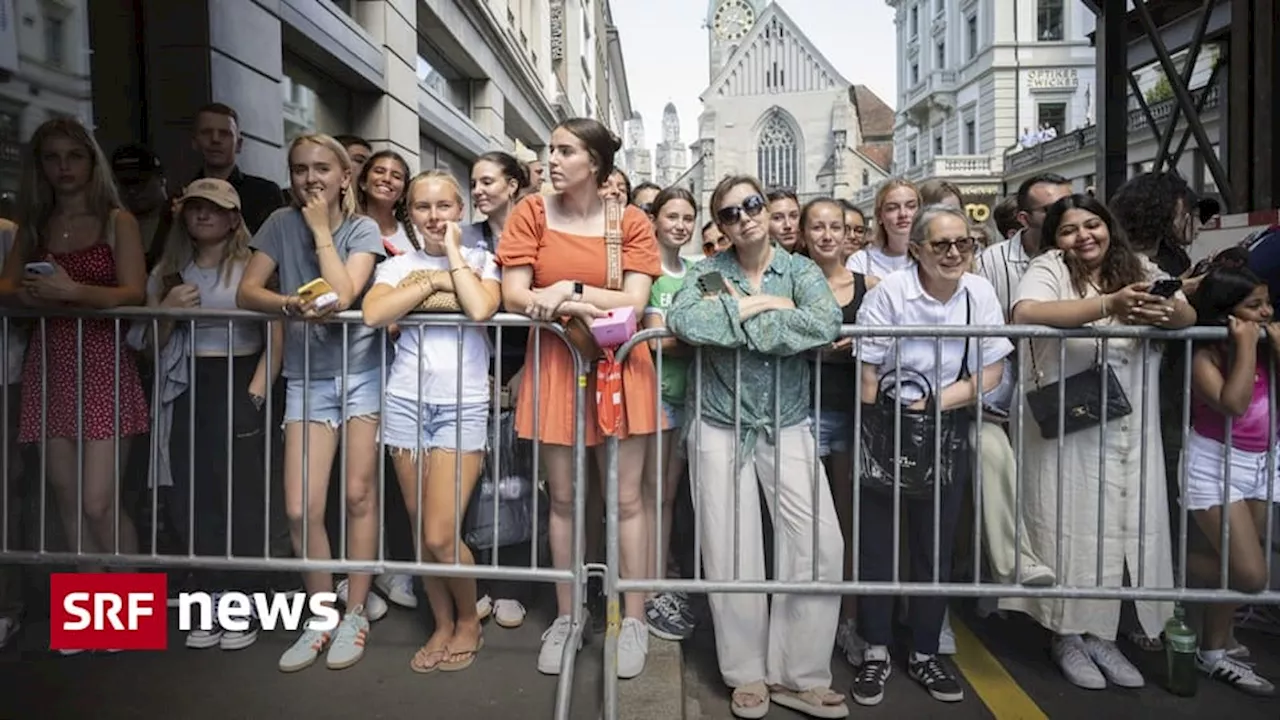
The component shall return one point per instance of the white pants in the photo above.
(790, 646)
(999, 492)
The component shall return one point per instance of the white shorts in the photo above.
(1205, 474)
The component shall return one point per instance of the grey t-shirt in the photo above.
(285, 238)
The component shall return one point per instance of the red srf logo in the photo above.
(108, 611)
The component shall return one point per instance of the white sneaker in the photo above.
(374, 606)
(633, 648)
(553, 641)
(1113, 664)
(848, 640)
(398, 589)
(1069, 652)
(946, 638)
(508, 613)
(1236, 674)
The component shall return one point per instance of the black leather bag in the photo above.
(912, 451)
(1082, 392)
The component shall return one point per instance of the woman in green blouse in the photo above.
(755, 310)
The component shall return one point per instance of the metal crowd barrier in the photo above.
(1018, 426)
(81, 553)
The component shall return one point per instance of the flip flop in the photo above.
(426, 666)
(755, 690)
(816, 702)
(468, 659)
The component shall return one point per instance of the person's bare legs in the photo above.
(362, 502)
(1247, 570)
(322, 443)
(443, 491)
(558, 460)
(633, 536)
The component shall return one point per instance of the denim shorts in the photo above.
(674, 415)
(438, 428)
(835, 432)
(324, 398)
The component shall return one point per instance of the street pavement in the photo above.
(1008, 675)
(214, 684)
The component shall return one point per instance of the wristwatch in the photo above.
(577, 292)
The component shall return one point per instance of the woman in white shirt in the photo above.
(429, 422)
(380, 195)
(937, 291)
(201, 265)
(896, 204)
(1088, 276)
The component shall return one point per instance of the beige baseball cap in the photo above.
(218, 192)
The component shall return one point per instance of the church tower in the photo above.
(671, 158)
(728, 22)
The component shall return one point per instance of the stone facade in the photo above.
(777, 109)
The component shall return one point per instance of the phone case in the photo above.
(314, 289)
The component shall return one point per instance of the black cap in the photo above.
(135, 160)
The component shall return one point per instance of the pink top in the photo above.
(1249, 432)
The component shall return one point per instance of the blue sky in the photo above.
(665, 49)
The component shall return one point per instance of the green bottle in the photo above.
(1180, 653)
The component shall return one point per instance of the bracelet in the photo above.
(326, 246)
(1103, 301)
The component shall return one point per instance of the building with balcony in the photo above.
(977, 77)
(44, 73)
(440, 81)
(1074, 155)
(776, 108)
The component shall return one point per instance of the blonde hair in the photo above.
(888, 187)
(179, 247)
(36, 199)
(347, 198)
(441, 176)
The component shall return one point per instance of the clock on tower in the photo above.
(732, 20)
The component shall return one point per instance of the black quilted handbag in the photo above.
(1083, 407)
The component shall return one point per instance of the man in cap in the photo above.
(143, 189)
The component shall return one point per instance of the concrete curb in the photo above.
(659, 691)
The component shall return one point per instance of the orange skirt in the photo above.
(557, 389)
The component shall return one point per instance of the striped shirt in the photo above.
(1002, 265)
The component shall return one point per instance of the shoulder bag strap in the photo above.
(613, 244)
(968, 320)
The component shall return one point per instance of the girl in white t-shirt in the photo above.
(896, 204)
(437, 400)
(380, 195)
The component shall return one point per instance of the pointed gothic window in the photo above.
(777, 155)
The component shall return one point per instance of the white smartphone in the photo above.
(39, 268)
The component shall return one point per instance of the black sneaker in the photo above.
(868, 684)
(935, 678)
(1236, 674)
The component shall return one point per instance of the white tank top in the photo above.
(215, 294)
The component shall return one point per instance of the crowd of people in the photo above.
(768, 414)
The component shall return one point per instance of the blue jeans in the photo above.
(323, 397)
(438, 428)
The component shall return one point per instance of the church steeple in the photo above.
(728, 22)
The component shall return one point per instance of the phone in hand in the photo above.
(314, 289)
(43, 269)
(1166, 288)
(713, 283)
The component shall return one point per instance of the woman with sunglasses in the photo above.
(756, 311)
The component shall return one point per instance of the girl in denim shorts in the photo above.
(437, 404)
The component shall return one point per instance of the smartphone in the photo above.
(1166, 288)
(713, 283)
(315, 289)
(39, 268)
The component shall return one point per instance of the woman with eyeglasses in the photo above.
(855, 228)
(939, 290)
(755, 310)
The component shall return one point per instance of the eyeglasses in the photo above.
(751, 207)
(942, 248)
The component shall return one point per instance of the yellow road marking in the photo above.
(999, 691)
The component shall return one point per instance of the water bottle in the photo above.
(1180, 653)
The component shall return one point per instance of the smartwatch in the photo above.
(577, 292)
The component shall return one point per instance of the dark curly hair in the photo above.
(1145, 206)
(1120, 267)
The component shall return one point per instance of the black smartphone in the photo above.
(712, 283)
(1166, 288)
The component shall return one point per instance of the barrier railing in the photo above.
(99, 532)
(1088, 470)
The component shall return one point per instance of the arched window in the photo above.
(777, 154)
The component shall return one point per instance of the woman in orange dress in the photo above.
(554, 258)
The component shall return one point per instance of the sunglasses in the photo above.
(941, 248)
(751, 207)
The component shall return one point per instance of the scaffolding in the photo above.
(1159, 28)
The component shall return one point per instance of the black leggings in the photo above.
(216, 424)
